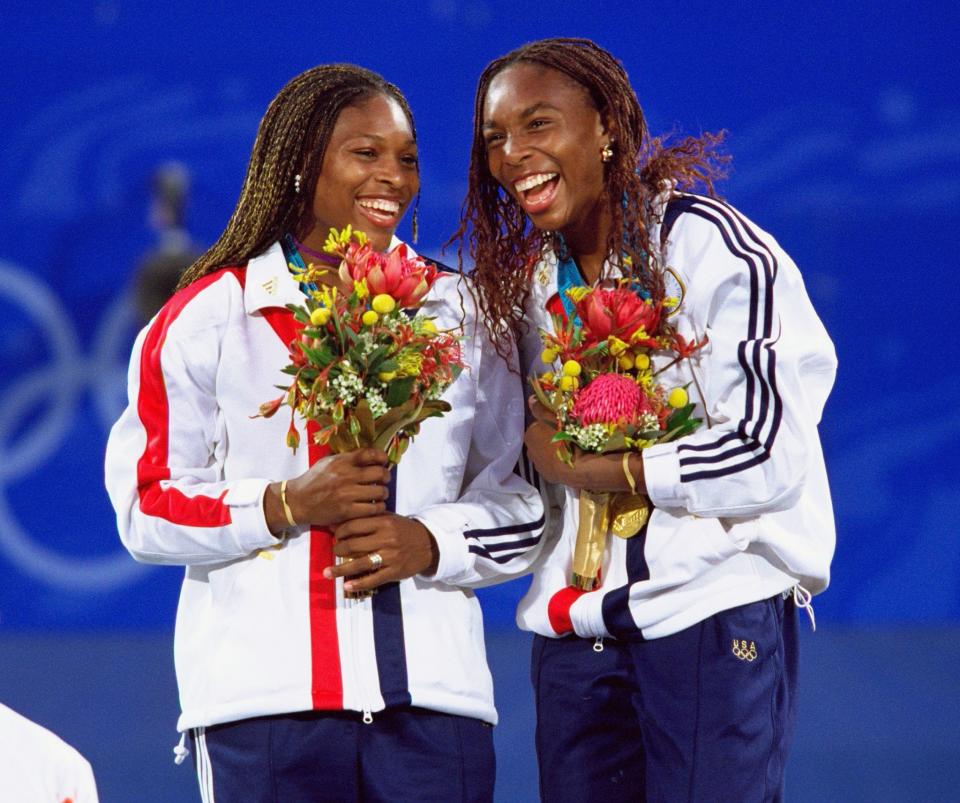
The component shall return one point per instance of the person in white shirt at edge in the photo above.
(675, 680)
(290, 691)
(37, 766)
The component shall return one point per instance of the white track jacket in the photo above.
(259, 630)
(741, 507)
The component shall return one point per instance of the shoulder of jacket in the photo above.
(205, 303)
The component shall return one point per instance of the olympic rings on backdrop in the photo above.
(35, 423)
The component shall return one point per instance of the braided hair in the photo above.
(502, 242)
(291, 141)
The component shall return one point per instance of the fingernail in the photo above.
(328, 573)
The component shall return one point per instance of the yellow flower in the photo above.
(327, 296)
(320, 316)
(576, 293)
(426, 325)
(547, 377)
(616, 346)
(572, 368)
(369, 318)
(625, 362)
(569, 383)
(677, 398)
(409, 363)
(360, 288)
(548, 355)
(640, 334)
(383, 303)
(386, 376)
(643, 361)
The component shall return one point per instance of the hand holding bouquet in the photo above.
(604, 396)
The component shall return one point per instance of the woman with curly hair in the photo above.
(675, 679)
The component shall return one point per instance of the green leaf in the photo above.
(398, 391)
(375, 357)
(540, 394)
(617, 442)
(561, 436)
(322, 356)
(299, 313)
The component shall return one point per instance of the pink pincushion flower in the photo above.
(610, 399)
(405, 279)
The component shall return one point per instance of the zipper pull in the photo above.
(598, 644)
(367, 716)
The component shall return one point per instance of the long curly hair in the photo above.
(497, 234)
(292, 140)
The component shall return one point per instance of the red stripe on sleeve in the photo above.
(154, 411)
(327, 686)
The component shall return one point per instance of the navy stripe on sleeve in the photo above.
(753, 439)
(486, 542)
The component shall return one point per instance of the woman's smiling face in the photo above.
(369, 173)
(544, 138)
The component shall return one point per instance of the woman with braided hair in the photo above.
(675, 679)
(291, 690)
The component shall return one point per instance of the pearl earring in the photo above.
(606, 153)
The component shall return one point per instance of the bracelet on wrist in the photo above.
(625, 462)
(287, 513)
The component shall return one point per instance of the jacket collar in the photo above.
(269, 281)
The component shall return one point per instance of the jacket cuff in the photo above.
(447, 528)
(661, 475)
(586, 614)
(558, 609)
(247, 517)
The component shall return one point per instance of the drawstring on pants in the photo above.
(180, 752)
(803, 600)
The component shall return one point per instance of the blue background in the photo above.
(844, 131)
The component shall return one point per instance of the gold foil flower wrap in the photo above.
(623, 515)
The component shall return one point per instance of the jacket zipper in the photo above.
(355, 608)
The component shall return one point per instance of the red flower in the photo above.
(618, 312)
(405, 279)
(686, 348)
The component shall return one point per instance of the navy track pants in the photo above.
(706, 714)
(405, 754)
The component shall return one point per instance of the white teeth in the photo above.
(391, 207)
(530, 182)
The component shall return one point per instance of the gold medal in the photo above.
(630, 513)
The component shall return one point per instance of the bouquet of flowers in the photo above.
(367, 368)
(605, 398)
